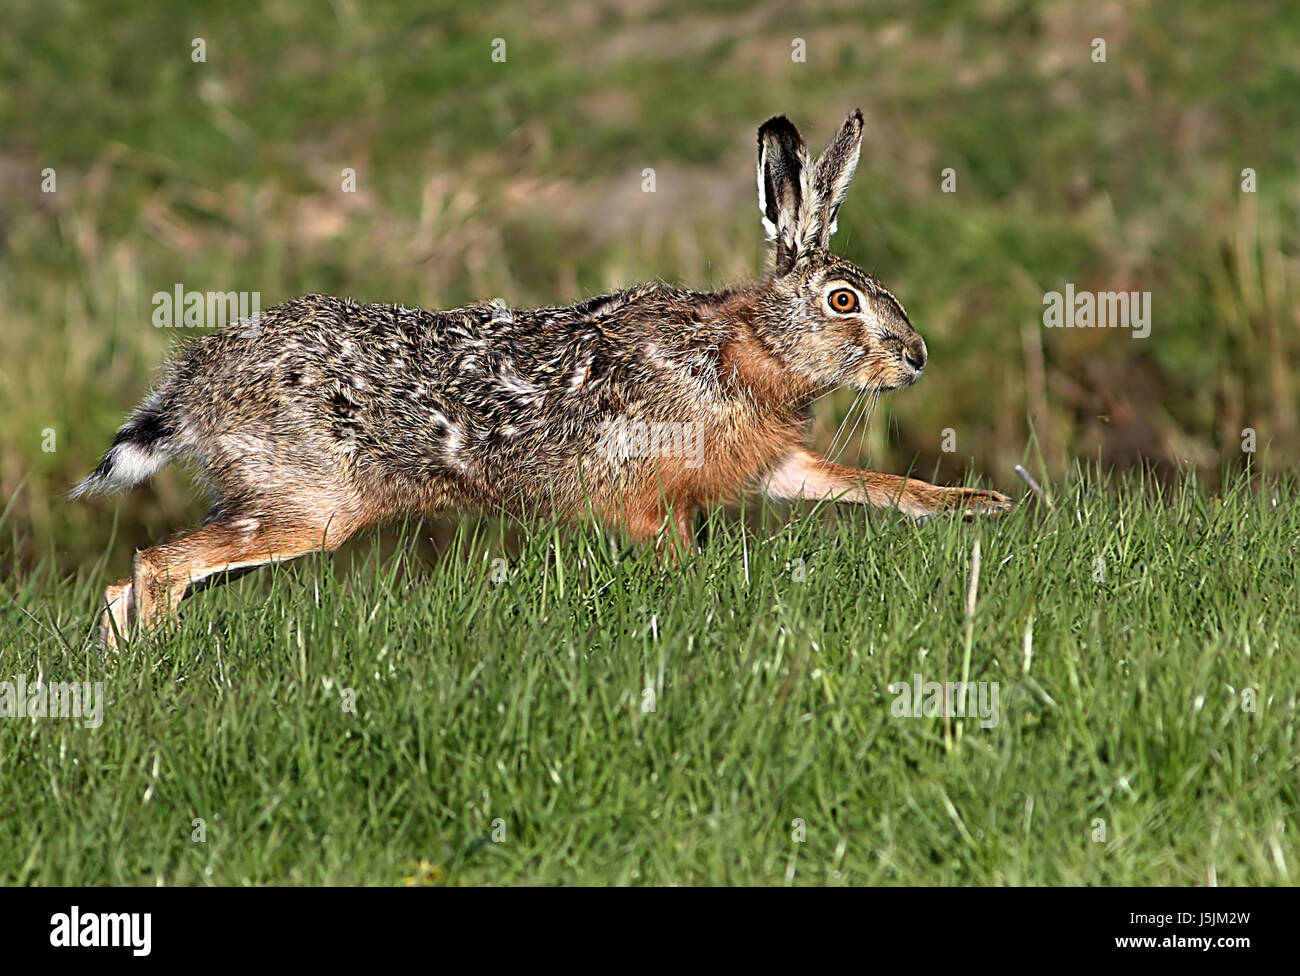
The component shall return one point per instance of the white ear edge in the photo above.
(769, 228)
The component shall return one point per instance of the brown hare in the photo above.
(319, 417)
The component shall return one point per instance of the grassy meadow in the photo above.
(591, 717)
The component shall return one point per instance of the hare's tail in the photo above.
(144, 445)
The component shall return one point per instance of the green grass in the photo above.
(522, 701)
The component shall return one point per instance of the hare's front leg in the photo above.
(805, 475)
(668, 530)
(119, 611)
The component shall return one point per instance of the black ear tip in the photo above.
(777, 125)
(856, 116)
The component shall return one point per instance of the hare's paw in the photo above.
(977, 501)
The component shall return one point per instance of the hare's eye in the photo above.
(843, 300)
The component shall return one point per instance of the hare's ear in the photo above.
(783, 188)
(832, 174)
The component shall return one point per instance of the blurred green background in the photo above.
(522, 180)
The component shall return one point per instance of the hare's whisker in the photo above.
(872, 393)
(864, 414)
(857, 400)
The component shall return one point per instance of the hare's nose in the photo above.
(914, 351)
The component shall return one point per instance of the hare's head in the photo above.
(823, 317)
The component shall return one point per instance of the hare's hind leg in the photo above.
(163, 574)
(805, 475)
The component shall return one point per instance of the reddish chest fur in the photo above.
(760, 427)
(760, 422)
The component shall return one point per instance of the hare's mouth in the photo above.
(895, 376)
(895, 364)
(906, 381)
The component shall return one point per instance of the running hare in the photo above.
(320, 417)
